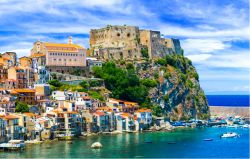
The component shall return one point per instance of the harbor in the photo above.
(183, 142)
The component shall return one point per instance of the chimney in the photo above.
(70, 39)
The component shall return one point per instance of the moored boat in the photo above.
(229, 135)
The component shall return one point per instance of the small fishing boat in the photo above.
(208, 139)
(149, 142)
(229, 135)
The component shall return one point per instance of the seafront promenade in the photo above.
(229, 110)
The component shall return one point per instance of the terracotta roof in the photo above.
(144, 110)
(10, 117)
(10, 80)
(37, 55)
(25, 90)
(54, 45)
(19, 68)
(30, 114)
(13, 92)
(126, 114)
(73, 112)
(99, 113)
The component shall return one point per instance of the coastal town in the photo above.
(40, 99)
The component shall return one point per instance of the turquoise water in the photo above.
(189, 144)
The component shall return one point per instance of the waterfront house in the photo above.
(67, 122)
(125, 122)
(3, 125)
(112, 120)
(144, 117)
(13, 130)
(102, 120)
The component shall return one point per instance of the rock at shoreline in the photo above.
(96, 145)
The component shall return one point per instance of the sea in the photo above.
(229, 100)
(181, 143)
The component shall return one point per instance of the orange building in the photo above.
(25, 95)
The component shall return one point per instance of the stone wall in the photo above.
(74, 70)
(117, 42)
(126, 42)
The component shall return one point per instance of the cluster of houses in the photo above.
(65, 114)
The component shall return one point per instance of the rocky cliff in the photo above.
(178, 93)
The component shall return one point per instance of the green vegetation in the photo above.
(144, 52)
(124, 83)
(157, 111)
(149, 82)
(21, 107)
(161, 62)
(166, 97)
(189, 84)
(83, 86)
(96, 95)
(55, 83)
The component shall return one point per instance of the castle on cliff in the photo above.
(130, 43)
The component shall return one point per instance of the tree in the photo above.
(22, 107)
(124, 83)
(55, 83)
(84, 84)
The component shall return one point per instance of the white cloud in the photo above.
(198, 58)
(203, 45)
(232, 33)
(231, 60)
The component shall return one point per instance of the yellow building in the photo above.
(25, 61)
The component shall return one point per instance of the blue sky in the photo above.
(214, 33)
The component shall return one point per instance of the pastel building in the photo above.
(59, 57)
(144, 117)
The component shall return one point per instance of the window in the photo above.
(60, 60)
(54, 59)
(128, 35)
(118, 34)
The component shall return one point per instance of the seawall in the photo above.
(226, 110)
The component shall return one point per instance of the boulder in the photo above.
(96, 145)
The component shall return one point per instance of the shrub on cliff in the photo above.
(149, 82)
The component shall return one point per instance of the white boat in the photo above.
(229, 135)
(246, 126)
